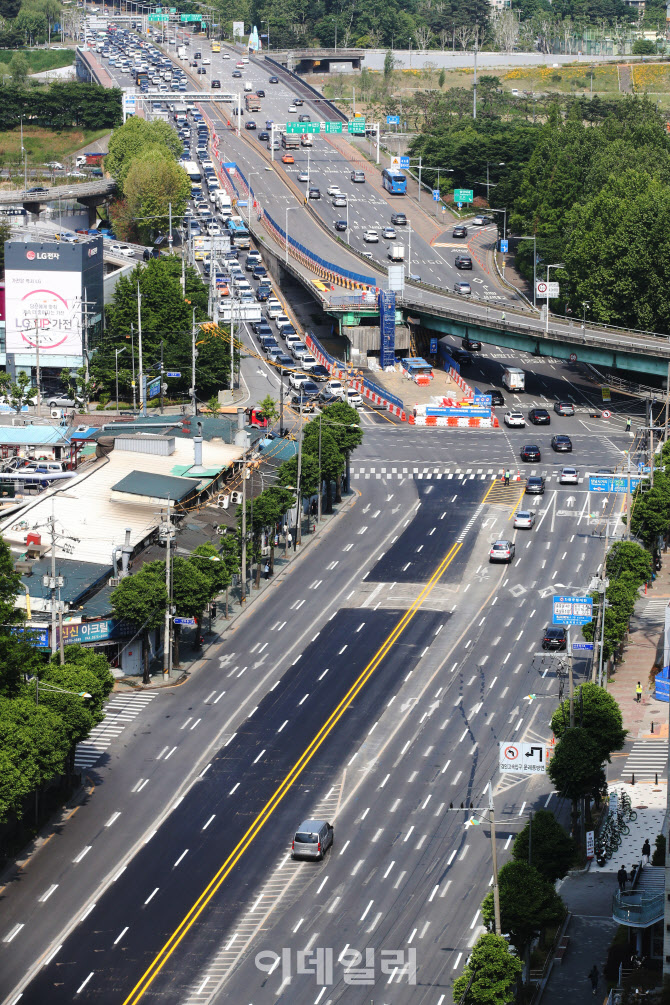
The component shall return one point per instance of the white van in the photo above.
(248, 87)
(514, 378)
(306, 140)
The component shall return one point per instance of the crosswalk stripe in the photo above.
(119, 711)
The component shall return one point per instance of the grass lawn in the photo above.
(43, 145)
(39, 59)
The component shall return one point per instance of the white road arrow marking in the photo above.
(570, 501)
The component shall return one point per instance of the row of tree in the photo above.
(143, 160)
(590, 181)
(60, 105)
(46, 708)
(628, 566)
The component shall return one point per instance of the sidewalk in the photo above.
(588, 895)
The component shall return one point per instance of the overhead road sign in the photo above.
(463, 195)
(572, 611)
(191, 17)
(303, 127)
(158, 17)
(582, 647)
(548, 290)
(392, 120)
(613, 483)
(525, 758)
(356, 126)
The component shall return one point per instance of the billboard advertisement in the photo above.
(43, 308)
(238, 29)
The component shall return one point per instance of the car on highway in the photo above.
(237, 73)
(215, 83)
(307, 362)
(531, 452)
(66, 236)
(564, 408)
(121, 249)
(535, 485)
(274, 80)
(524, 519)
(326, 399)
(340, 225)
(335, 387)
(339, 201)
(561, 443)
(539, 416)
(225, 55)
(296, 378)
(464, 289)
(459, 232)
(207, 61)
(288, 159)
(399, 219)
(314, 193)
(358, 177)
(389, 233)
(299, 102)
(54, 165)
(496, 397)
(303, 176)
(239, 64)
(555, 637)
(568, 476)
(463, 262)
(334, 190)
(481, 220)
(37, 188)
(472, 344)
(201, 69)
(307, 388)
(304, 117)
(260, 92)
(318, 372)
(501, 551)
(263, 136)
(371, 237)
(250, 124)
(285, 363)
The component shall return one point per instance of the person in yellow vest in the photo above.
(638, 692)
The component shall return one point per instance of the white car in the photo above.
(292, 108)
(224, 55)
(206, 61)
(335, 387)
(568, 476)
(121, 249)
(296, 379)
(274, 310)
(308, 361)
(515, 419)
(334, 190)
(371, 237)
(524, 519)
(353, 398)
(55, 166)
(292, 339)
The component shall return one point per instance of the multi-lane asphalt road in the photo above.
(371, 684)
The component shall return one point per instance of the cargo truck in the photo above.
(253, 103)
(290, 141)
(397, 252)
(514, 378)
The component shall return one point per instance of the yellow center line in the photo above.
(226, 868)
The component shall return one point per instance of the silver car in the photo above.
(312, 839)
(568, 476)
(524, 519)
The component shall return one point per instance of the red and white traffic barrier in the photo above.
(453, 421)
(357, 384)
(464, 386)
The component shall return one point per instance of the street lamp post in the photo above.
(116, 370)
(559, 265)
(288, 210)
(585, 304)
(488, 183)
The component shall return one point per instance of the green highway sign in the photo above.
(332, 127)
(356, 126)
(173, 10)
(158, 17)
(191, 17)
(303, 127)
(463, 195)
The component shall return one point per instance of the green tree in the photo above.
(213, 567)
(191, 591)
(528, 904)
(153, 183)
(142, 599)
(491, 974)
(18, 392)
(309, 474)
(442, 78)
(332, 461)
(598, 714)
(231, 553)
(344, 424)
(33, 749)
(268, 410)
(576, 768)
(5, 235)
(17, 656)
(389, 65)
(650, 514)
(133, 139)
(552, 851)
(213, 405)
(643, 47)
(19, 68)
(629, 557)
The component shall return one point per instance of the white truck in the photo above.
(397, 252)
(514, 378)
(223, 203)
(181, 52)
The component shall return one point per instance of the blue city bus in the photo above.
(394, 181)
(239, 235)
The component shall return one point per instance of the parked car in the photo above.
(502, 551)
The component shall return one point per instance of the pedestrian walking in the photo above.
(622, 876)
(628, 424)
(506, 476)
(646, 851)
(594, 976)
(502, 316)
(266, 570)
(638, 692)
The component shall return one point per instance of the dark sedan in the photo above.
(460, 232)
(535, 485)
(473, 344)
(530, 453)
(285, 363)
(555, 637)
(263, 136)
(539, 416)
(496, 396)
(274, 80)
(463, 262)
(561, 443)
(319, 373)
(340, 225)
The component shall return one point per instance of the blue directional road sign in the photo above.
(582, 647)
(433, 346)
(436, 195)
(572, 611)
(184, 621)
(504, 247)
(612, 483)
(481, 401)
(173, 373)
(404, 163)
(392, 120)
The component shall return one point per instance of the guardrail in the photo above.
(373, 392)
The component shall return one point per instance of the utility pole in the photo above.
(571, 683)
(243, 594)
(474, 86)
(143, 404)
(38, 374)
(494, 857)
(318, 513)
(132, 357)
(162, 398)
(232, 348)
(194, 353)
(167, 643)
(298, 511)
(281, 404)
(85, 348)
(651, 453)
